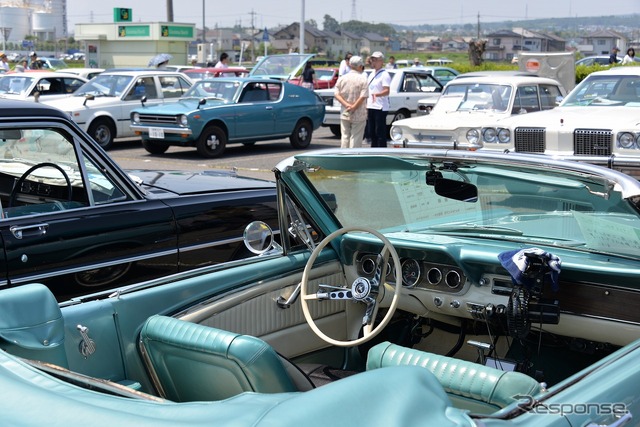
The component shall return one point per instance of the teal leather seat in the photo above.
(31, 324)
(469, 385)
(191, 362)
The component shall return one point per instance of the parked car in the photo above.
(102, 106)
(196, 74)
(408, 85)
(597, 123)
(595, 60)
(468, 105)
(52, 63)
(221, 111)
(426, 105)
(41, 85)
(72, 220)
(492, 290)
(326, 78)
(87, 73)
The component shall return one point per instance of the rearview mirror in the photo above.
(456, 190)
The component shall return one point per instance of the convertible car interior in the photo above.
(463, 288)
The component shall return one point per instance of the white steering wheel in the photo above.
(367, 291)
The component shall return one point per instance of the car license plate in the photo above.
(156, 133)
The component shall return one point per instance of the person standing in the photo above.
(629, 58)
(4, 64)
(378, 101)
(344, 65)
(34, 63)
(613, 58)
(352, 91)
(308, 77)
(391, 65)
(224, 61)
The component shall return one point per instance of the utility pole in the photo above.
(301, 48)
(204, 29)
(478, 25)
(253, 55)
(169, 10)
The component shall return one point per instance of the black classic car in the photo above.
(73, 220)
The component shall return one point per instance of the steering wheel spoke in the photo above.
(363, 290)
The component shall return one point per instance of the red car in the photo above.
(326, 78)
(205, 73)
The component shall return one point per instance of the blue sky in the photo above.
(408, 12)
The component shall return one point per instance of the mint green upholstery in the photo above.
(31, 324)
(190, 362)
(469, 385)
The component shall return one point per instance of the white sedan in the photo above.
(408, 86)
(598, 122)
(39, 85)
(103, 105)
(468, 105)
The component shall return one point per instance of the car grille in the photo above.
(149, 119)
(592, 142)
(529, 140)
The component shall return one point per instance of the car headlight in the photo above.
(135, 118)
(627, 140)
(504, 136)
(473, 136)
(182, 119)
(396, 133)
(489, 135)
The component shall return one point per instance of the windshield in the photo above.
(417, 197)
(474, 97)
(105, 85)
(15, 85)
(219, 89)
(284, 66)
(605, 90)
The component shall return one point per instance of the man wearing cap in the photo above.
(351, 92)
(34, 62)
(378, 101)
(613, 58)
(3, 62)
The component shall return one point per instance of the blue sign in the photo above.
(27, 43)
(265, 35)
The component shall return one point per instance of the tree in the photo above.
(476, 50)
(330, 24)
(311, 23)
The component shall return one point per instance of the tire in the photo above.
(103, 131)
(154, 147)
(301, 135)
(212, 142)
(335, 130)
(402, 114)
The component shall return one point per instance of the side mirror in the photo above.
(88, 97)
(258, 237)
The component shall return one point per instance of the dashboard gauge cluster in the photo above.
(417, 273)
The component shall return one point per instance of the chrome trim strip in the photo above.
(179, 131)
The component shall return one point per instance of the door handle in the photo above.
(268, 108)
(29, 230)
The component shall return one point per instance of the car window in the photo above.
(444, 75)
(71, 84)
(255, 92)
(105, 85)
(173, 86)
(15, 85)
(526, 99)
(549, 96)
(40, 174)
(144, 86)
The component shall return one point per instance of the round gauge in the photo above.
(410, 272)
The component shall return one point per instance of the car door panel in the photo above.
(127, 243)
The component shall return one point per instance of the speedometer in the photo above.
(410, 272)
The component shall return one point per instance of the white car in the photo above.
(87, 73)
(102, 106)
(598, 122)
(468, 105)
(408, 86)
(39, 86)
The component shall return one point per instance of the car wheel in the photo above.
(155, 147)
(335, 130)
(212, 142)
(301, 135)
(402, 114)
(103, 131)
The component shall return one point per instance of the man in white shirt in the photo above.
(378, 101)
(4, 62)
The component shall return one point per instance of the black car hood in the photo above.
(199, 182)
